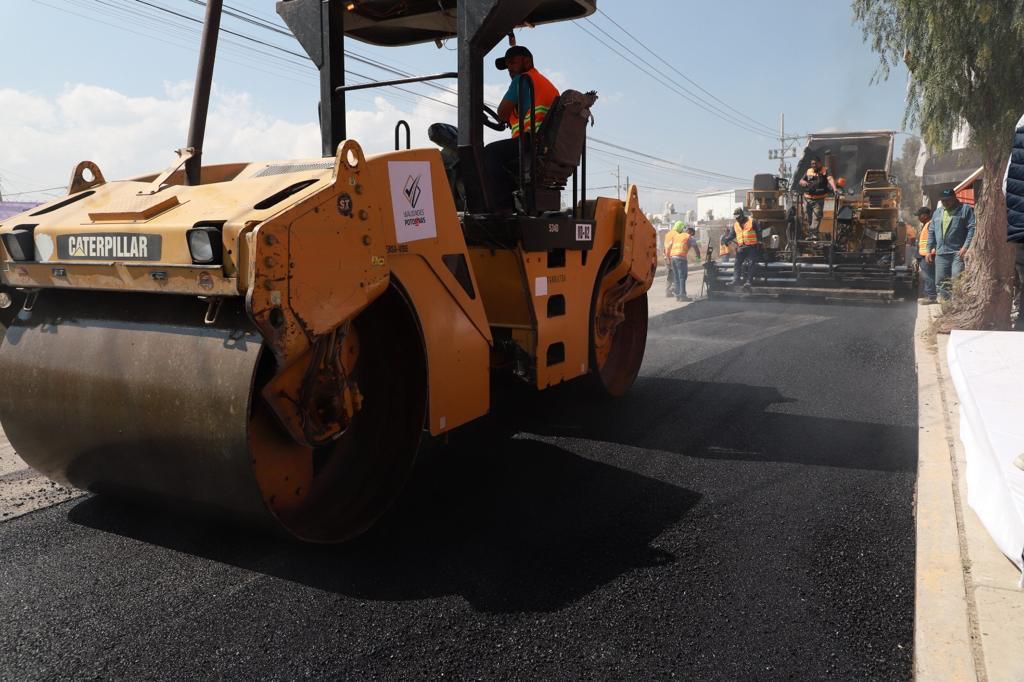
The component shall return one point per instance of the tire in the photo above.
(613, 372)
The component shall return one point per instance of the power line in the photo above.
(683, 75)
(667, 82)
(36, 191)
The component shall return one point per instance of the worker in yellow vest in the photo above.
(678, 243)
(925, 264)
(748, 248)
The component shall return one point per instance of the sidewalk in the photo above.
(969, 611)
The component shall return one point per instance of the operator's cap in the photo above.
(514, 51)
(948, 194)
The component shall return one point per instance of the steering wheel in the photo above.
(495, 123)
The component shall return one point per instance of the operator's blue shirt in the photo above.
(512, 95)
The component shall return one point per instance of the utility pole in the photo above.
(786, 149)
(618, 183)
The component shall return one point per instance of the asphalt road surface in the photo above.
(744, 513)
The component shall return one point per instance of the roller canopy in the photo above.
(404, 22)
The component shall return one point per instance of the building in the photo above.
(719, 205)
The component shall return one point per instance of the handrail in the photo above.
(400, 81)
(408, 134)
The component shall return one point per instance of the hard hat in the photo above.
(678, 226)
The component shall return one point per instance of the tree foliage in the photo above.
(966, 58)
(905, 170)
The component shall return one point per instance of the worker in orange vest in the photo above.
(500, 157)
(925, 265)
(748, 248)
(678, 243)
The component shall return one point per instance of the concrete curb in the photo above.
(969, 613)
(943, 647)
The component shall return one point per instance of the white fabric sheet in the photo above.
(988, 372)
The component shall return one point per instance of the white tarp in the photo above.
(988, 372)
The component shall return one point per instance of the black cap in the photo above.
(948, 194)
(514, 51)
(738, 212)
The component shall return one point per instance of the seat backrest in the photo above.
(562, 137)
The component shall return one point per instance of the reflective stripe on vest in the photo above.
(746, 235)
(680, 245)
(922, 239)
(544, 94)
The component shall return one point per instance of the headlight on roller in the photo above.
(19, 243)
(204, 244)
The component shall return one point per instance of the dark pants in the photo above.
(743, 255)
(680, 270)
(815, 209)
(1019, 324)
(927, 271)
(948, 267)
(501, 166)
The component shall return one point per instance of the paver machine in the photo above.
(858, 251)
(272, 341)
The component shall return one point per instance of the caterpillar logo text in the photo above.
(109, 246)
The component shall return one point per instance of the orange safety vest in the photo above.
(746, 234)
(922, 239)
(677, 244)
(810, 179)
(723, 250)
(544, 94)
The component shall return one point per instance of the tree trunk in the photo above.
(982, 295)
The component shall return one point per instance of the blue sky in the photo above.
(109, 80)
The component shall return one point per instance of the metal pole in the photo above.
(332, 77)
(201, 95)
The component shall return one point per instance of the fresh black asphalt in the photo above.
(744, 513)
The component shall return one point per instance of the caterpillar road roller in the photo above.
(859, 249)
(272, 341)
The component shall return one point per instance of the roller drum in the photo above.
(134, 395)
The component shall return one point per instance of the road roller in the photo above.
(274, 341)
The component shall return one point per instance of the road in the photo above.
(745, 513)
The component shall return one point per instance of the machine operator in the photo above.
(501, 157)
(748, 248)
(816, 183)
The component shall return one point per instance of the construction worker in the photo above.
(747, 248)
(670, 279)
(950, 234)
(678, 243)
(725, 251)
(925, 264)
(816, 184)
(500, 157)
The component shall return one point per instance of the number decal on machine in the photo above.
(584, 232)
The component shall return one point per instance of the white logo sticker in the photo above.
(412, 200)
(584, 232)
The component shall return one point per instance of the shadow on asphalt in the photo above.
(727, 422)
(524, 527)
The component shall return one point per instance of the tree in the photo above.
(905, 170)
(966, 59)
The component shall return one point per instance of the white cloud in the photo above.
(129, 135)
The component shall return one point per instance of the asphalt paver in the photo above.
(744, 513)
